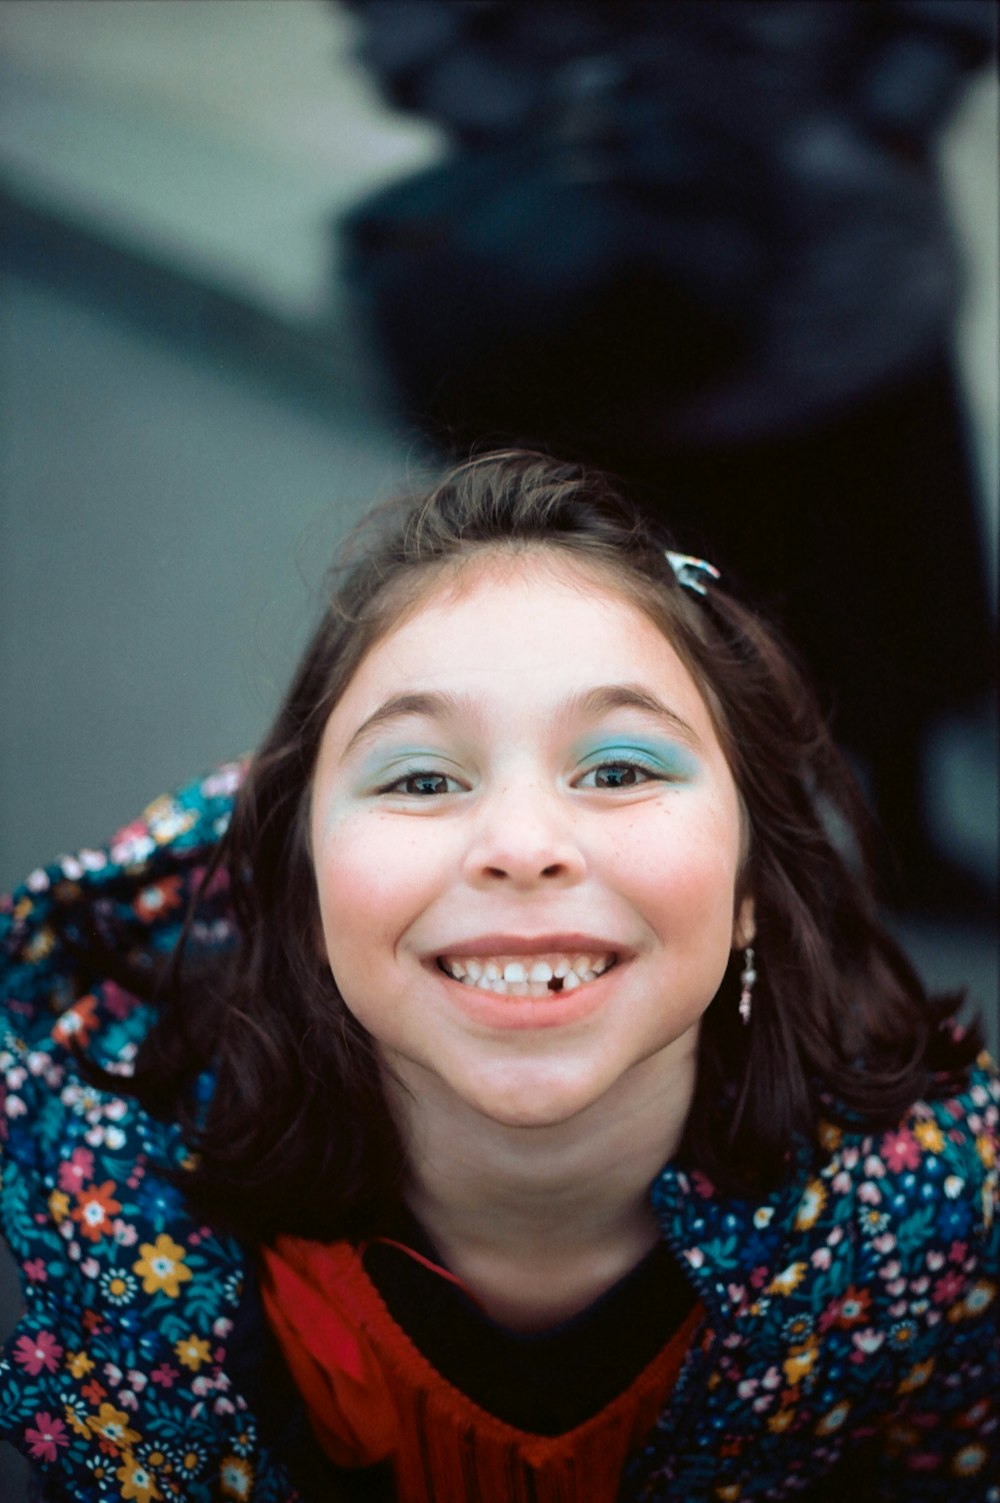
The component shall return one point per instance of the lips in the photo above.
(528, 975)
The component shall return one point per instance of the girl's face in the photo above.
(527, 844)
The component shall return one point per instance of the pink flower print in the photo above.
(957, 1252)
(76, 1171)
(36, 1271)
(165, 1375)
(46, 1437)
(901, 1150)
(870, 1193)
(37, 1352)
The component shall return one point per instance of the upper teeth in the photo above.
(527, 977)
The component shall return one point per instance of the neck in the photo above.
(538, 1222)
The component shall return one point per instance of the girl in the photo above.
(535, 1108)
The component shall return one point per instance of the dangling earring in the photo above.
(747, 978)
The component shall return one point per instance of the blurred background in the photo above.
(203, 383)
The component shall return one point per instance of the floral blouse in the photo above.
(851, 1316)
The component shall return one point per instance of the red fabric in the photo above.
(371, 1394)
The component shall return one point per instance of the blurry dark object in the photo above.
(703, 243)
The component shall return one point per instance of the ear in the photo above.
(744, 925)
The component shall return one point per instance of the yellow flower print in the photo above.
(830, 1136)
(799, 1362)
(969, 1460)
(237, 1478)
(780, 1421)
(39, 946)
(78, 1363)
(833, 1418)
(728, 1494)
(985, 1149)
(916, 1377)
(763, 1216)
(59, 1205)
(162, 1266)
(929, 1136)
(978, 1299)
(113, 1424)
(137, 1481)
(812, 1202)
(790, 1278)
(192, 1351)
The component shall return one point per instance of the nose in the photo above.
(525, 836)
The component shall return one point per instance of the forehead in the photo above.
(538, 618)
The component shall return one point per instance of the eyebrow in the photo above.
(436, 705)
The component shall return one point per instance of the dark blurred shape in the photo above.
(703, 243)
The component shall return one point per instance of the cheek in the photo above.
(368, 873)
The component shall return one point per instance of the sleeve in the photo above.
(940, 1442)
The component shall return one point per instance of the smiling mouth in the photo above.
(525, 976)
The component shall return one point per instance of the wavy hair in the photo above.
(297, 1136)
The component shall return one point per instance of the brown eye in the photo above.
(617, 775)
(425, 784)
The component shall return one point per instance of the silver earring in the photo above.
(747, 978)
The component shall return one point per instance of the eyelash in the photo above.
(629, 764)
(413, 775)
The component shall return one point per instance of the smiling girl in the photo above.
(537, 1109)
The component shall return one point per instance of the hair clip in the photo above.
(688, 571)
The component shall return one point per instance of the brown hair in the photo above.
(841, 1023)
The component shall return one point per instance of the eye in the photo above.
(618, 774)
(423, 785)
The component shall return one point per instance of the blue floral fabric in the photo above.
(852, 1313)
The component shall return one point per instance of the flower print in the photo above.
(162, 1266)
(77, 1023)
(37, 1352)
(929, 1136)
(969, 1460)
(165, 820)
(137, 1482)
(916, 1377)
(79, 1364)
(35, 1271)
(799, 1362)
(763, 1216)
(15, 1106)
(868, 1340)
(869, 1193)
(849, 1309)
(165, 1375)
(75, 1171)
(830, 1136)
(873, 1221)
(812, 1203)
(190, 1460)
(192, 1351)
(986, 1150)
(77, 1418)
(780, 1421)
(833, 1418)
(790, 1278)
(159, 1202)
(95, 1208)
(45, 1438)
(236, 1478)
(900, 1150)
(113, 1424)
(953, 1186)
(798, 1328)
(978, 1299)
(39, 945)
(58, 1205)
(902, 1334)
(159, 897)
(948, 1287)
